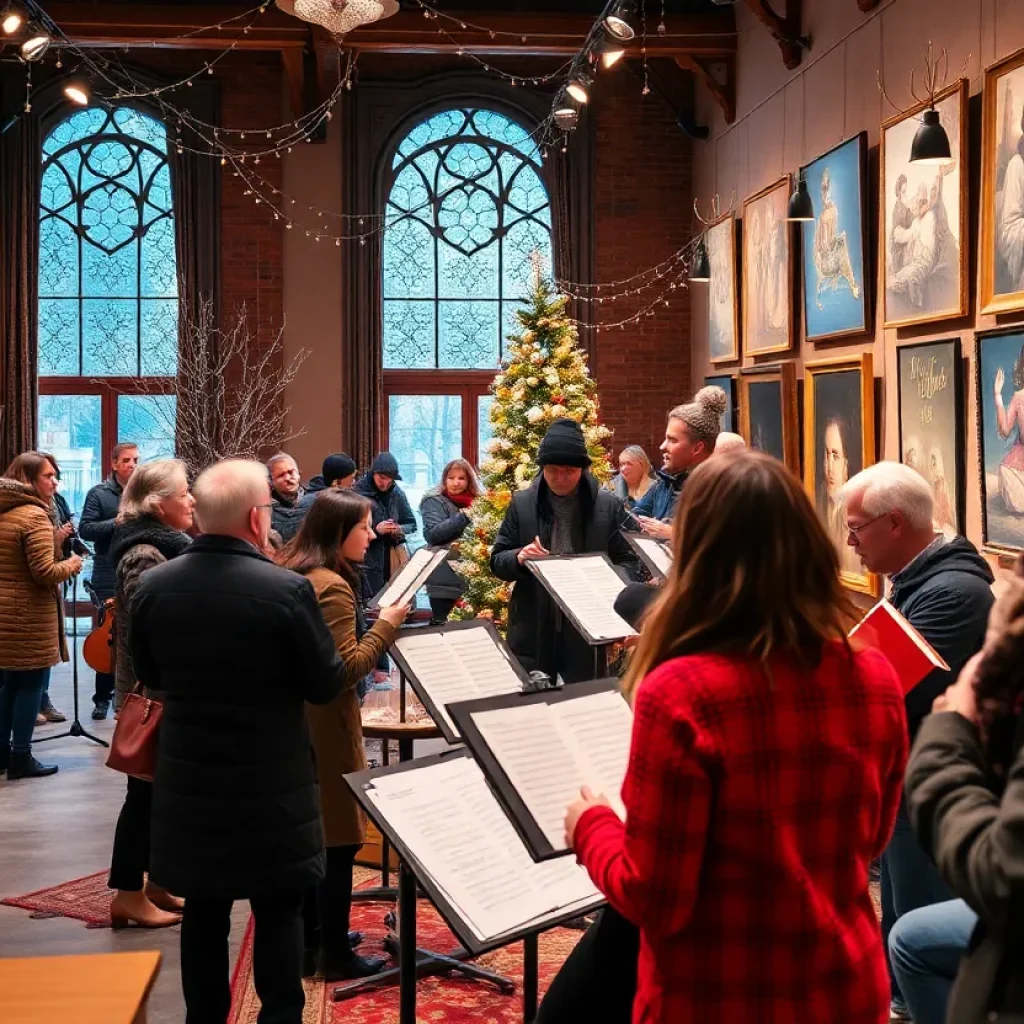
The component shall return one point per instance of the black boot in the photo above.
(24, 766)
(355, 938)
(5, 757)
(100, 709)
(346, 968)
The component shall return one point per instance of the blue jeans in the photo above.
(909, 880)
(21, 694)
(925, 947)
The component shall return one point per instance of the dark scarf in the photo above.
(463, 500)
(146, 530)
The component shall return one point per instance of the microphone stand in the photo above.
(75, 728)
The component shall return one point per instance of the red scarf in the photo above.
(463, 500)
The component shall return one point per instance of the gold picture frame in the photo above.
(997, 292)
(839, 433)
(769, 418)
(764, 272)
(723, 294)
(922, 282)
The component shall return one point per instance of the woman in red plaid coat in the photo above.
(764, 776)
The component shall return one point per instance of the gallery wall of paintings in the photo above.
(891, 325)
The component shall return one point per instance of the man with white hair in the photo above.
(237, 645)
(728, 443)
(942, 586)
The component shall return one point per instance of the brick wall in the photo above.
(643, 209)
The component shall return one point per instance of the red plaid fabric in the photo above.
(755, 803)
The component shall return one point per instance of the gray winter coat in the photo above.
(443, 523)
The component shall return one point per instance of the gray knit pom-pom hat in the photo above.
(704, 414)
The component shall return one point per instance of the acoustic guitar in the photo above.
(98, 649)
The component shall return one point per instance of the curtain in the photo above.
(20, 180)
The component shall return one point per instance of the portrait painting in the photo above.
(723, 308)
(839, 441)
(929, 381)
(999, 359)
(727, 383)
(768, 412)
(836, 284)
(923, 242)
(1002, 187)
(767, 271)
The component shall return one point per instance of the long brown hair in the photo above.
(330, 519)
(27, 467)
(753, 572)
(474, 487)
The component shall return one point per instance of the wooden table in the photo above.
(109, 988)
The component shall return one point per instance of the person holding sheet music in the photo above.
(764, 774)
(393, 520)
(445, 512)
(330, 545)
(563, 512)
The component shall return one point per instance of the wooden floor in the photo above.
(59, 828)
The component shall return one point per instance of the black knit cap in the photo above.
(563, 445)
(387, 465)
(337, 467)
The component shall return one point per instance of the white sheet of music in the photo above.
(589, 586)
(461, 665)
(452, 824)
(657, 553)
(412, 576)
(598, 729)
(543, 770)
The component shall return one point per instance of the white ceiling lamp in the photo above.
(339, 16)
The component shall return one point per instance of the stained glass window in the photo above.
(466, 210)
(107, 268)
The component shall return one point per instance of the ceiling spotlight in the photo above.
(12, 19)
(78, 93)
(579, 87)
(36, 45)
(566, 117)
(700, 272)
(800, 206)
(620, 23)
(931, 143)
(609, 53)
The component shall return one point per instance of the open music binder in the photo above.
(585, 588)
(455, 662)
(656, 555)
(403, 585)
(441, 815)
(538, 750)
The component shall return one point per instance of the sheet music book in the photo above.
(540, 749)
(585, 588)
(453, 833)
(653, 553)
(911, 655)
(403, 585)
(455, 662)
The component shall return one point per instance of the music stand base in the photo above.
(75, 729)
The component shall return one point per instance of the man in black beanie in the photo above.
(563, 512)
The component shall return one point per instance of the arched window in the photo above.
(108, 293)
(466, 209)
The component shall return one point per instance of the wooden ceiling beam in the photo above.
(785, 28)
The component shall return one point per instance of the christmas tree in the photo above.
(543, 377)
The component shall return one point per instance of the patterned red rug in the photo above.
(84, 899)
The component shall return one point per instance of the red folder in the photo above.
(911, 655)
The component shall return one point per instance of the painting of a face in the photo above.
(765, 398)
(767, 272)
(833, 267)
(922, 246)
(837, 466)
(930, 422)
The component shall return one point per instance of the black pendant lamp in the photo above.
(931, 143)
(800, 206)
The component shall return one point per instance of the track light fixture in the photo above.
(800, 206)
(566, 117)
(700, 271)
(12, 19)
(36, 44)
(621, 23)
(77, 92)
(609, 52)
(579, 87)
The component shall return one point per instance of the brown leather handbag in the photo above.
(133, 747)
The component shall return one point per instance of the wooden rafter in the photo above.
(867, 5)
(785, 29)
(724, 91)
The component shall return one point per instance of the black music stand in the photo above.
(639, 543)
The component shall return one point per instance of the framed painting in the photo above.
(727, 383)
(836, 282)
(723, 305)
(1002, 187)
(839, 441)
(769, 421)
(999, 363)
(929, 380)
(767, 271)
(923, 244)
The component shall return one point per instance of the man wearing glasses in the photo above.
(942, 586)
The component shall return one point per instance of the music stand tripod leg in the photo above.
(407, 945)
(531, 971)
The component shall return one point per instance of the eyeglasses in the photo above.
(855, 530)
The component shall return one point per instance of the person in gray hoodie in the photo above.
(943, 587)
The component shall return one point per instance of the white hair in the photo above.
(892, 487)
(151, 483)
(227, 492)
(279, 457)
(729, 443)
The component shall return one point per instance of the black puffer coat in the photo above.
(443, 523)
